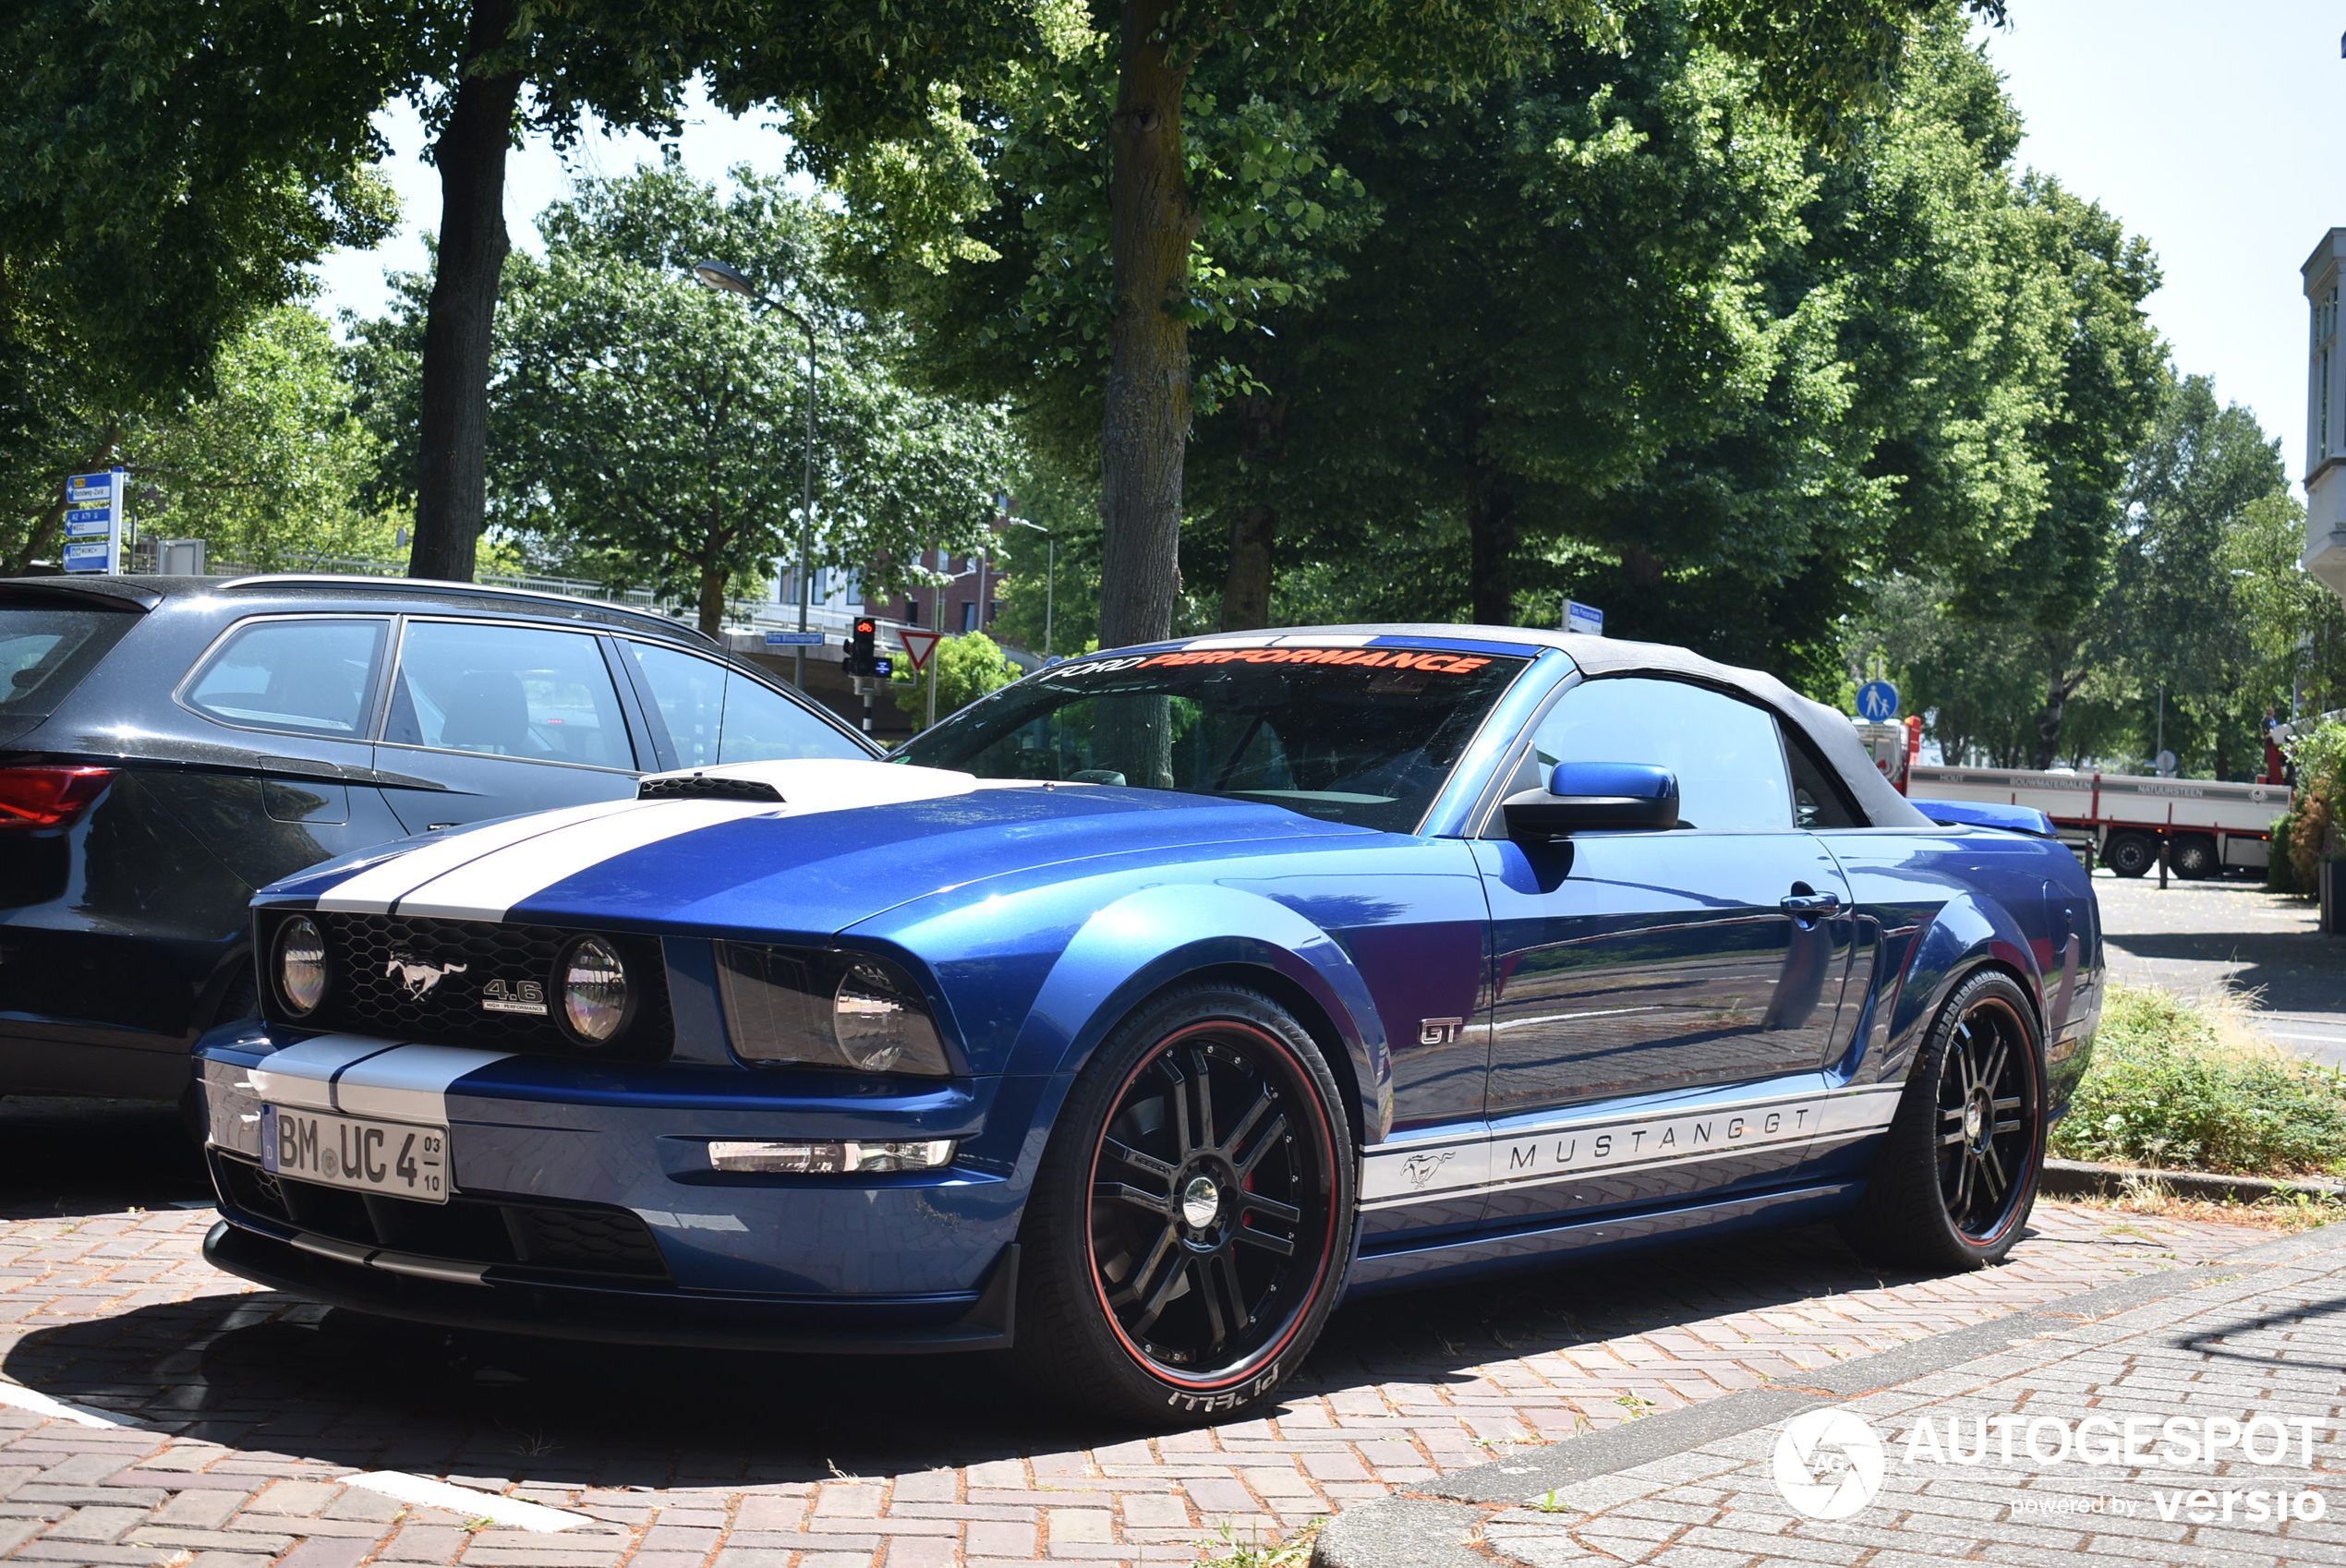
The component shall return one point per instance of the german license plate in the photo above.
(367, 1156)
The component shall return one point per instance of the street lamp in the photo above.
(731, 280)
(1051, 578)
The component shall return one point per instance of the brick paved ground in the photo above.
(249, 1406)
(2267, 1346)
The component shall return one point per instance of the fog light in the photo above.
(595, 991)
(822, 1159)
(301, 966)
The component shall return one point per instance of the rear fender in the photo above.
(1969, 933)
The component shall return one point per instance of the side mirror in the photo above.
(1595, 797)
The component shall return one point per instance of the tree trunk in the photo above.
(712, 599)
(451, 465)
(1152, 221)
(712, 576)
(1246, 593)
(1490, 533)
(2061, 681)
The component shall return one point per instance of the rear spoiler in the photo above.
(1980, 814)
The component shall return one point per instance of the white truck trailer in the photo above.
(2122, 818)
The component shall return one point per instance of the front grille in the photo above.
(565, 1239)
(419, 978)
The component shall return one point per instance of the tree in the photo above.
(1125, 222)
(165, 103)
(271, 467)
(166, 173)
(653, 428)
(968, 667)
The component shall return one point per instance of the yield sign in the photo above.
(918, 645)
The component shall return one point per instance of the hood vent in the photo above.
(706, 787)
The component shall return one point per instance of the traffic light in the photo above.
(861, 660)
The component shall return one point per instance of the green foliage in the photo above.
(272, 466)
(2281, 864)
(648, 430)
(2178, 1085)
(2189, 580)
(2318, 808)
(968, 667)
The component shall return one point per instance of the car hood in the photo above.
(844, 842)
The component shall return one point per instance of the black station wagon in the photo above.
(169, 745)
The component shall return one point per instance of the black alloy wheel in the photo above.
(1955, 1177)
(1194, 1217)
(1987, 1120)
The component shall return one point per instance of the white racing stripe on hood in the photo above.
(488, 887)
(375, 889)
(483, 875)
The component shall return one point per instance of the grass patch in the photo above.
(2287, 1213)
(2186, 1084)
(1225, 1549)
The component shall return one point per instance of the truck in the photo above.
(2121, 819)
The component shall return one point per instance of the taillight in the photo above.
(48, 797)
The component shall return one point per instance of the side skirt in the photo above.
(1597, 1236)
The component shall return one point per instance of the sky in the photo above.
(2205, 129)
(2209, 130)
(535, 179)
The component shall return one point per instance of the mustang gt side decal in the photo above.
(1567, 1150)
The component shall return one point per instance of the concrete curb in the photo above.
(2083, 1178)
(1430, 1529)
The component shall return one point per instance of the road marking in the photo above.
(40, 1404)
(493, 1506)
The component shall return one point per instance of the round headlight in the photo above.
(595, 991)
(881, 1023)
(301, 966)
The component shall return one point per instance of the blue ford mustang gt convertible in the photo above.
(1134, 1016)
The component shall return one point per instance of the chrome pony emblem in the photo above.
(1419, 1169)
(417, 976)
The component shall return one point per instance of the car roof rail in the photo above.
(650, 619)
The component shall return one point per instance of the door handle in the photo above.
(1807, 906)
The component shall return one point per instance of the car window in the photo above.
(1726, 753)
(715, 715)
(761, 725)
(311, 675)
(45, 651)
(1818, 800)
(1345, 733)
(690, 694)
(510, 691)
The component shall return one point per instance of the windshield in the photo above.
(45, 650)
(1355, 734)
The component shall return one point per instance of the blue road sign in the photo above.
(1584, 619)
(1876, 702)
(793, 639)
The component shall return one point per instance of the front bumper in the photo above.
(583, 1203)
(607, 1314)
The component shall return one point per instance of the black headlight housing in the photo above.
(828, 1009)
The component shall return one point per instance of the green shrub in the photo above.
(2184, 1085)
(2281, 871)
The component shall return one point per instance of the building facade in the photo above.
(2324, 554)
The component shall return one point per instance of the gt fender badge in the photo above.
(1439, 1031)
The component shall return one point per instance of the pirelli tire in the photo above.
(1192, 1219)
(1955, 1179)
